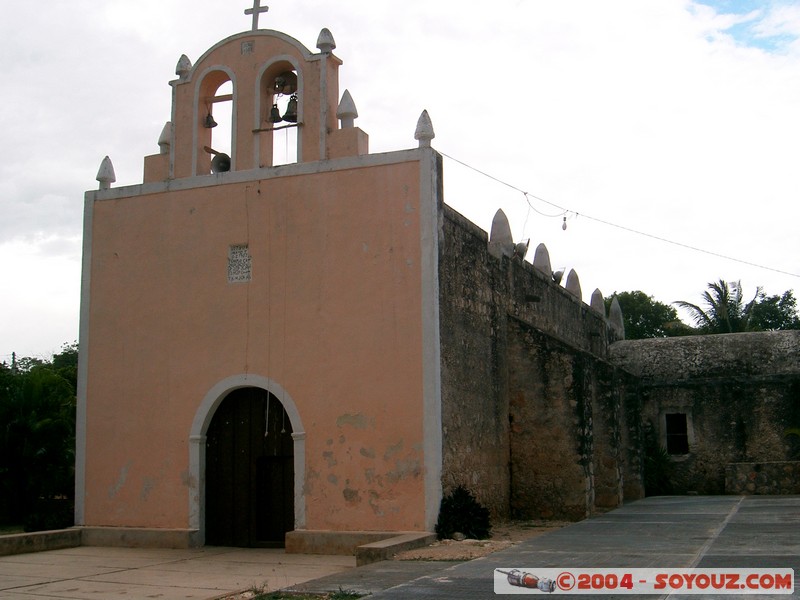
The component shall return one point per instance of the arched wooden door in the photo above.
(249, 471)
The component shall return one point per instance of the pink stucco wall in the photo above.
(333, 313)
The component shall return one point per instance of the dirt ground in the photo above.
(503, 536)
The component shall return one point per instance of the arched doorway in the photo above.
(249, 471)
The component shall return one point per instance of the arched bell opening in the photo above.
(222, 134)
(215, 125)
(280, 118)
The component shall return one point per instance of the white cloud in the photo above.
(780, 20)
(772, 26)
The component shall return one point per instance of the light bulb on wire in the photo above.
(564, 224)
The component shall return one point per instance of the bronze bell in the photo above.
(274, 114)
(290, 115)
(209, 122)
(221, 163)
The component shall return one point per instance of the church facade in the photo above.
(286, 351)
(257, 335)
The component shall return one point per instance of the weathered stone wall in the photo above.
(632, 435)
(551, 428)
(475, 449)
(574, 439)
(741, 356)
(544, 410)
(763, 478)
(740, 392)
(535, 421)
(608, 425)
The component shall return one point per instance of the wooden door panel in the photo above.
(249, 472)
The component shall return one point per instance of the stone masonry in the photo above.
(740, 393)
(544, 406)
(536, 421)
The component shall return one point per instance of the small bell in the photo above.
(221, 163)
(275, 114)
(209, 122)
(290, 116)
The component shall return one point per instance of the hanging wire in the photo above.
(268, 290)
(247, 296)
(285, 318)
(266, 417)
(565, 212)
(527, 195)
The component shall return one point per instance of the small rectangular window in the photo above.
(677, 434)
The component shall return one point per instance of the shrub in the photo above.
(460, 511)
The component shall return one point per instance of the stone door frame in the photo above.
(197, 446)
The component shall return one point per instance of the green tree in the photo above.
(772, 313)
(37, 441)
(65, 363)
(645, 317)
(725, 309)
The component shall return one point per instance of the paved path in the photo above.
(678, 531)
(136, 574)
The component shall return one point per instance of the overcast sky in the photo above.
(676, 119)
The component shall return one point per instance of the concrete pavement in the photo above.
(133, 573)
(677, 531)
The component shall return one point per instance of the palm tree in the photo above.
(725, 310)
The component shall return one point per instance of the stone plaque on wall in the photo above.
(240, 267)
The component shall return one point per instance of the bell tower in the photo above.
(262, 66)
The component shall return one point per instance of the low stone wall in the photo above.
(140, 537)
(40, 541)
(366, 546)
(763, 478)
(124, 537)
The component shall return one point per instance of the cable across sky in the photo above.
(565, 211)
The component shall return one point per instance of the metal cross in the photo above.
(255, 11)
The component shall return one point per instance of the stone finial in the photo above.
(347, 112)
(615, 318)
(597, 303)
(424, 132)
(573, 285)
(183, 67)
(325, 41)
(541, 260)
(105, 174)
(165, 139)
(500, 241)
